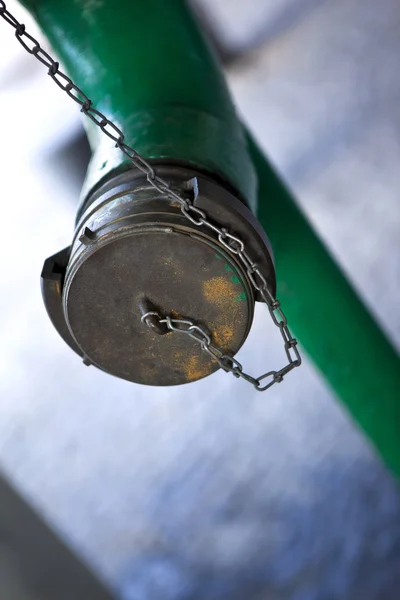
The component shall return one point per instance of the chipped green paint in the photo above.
(235, 278)
(241, 297)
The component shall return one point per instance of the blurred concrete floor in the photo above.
(211, 491)
(34, 563)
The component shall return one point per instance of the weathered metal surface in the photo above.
(134, 252)
(182, 275)
(52, 281)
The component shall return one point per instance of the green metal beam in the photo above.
(333, 325)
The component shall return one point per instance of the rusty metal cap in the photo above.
(133, 253)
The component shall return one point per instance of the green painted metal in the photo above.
(147, 66)
(333, 325)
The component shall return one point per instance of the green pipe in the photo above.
(147, 67)
(134, 59)
(334, 327)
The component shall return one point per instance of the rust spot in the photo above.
(220, 291)
(194, 366)
(194, 369)
(223, 336)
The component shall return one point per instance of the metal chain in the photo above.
(226, 362)
(198, 217)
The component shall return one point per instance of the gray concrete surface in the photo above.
(212, 491)
(34, 563)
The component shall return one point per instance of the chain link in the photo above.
(226, 362)
(196, 216)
